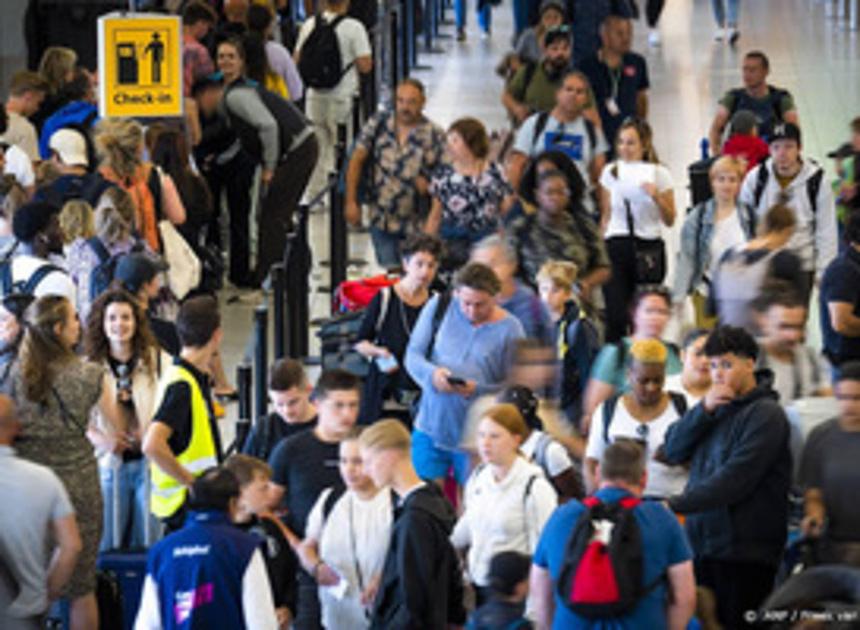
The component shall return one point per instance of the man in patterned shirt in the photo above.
(392, 161)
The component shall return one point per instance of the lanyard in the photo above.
(615, 79)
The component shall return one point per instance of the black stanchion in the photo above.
(430, 26)
(279, 290)
(396, 52)
(261, 359)
(297, 262)
(243, 422)
(357, 119)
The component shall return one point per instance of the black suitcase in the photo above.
(337, 336)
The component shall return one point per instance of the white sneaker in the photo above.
(732, 35)
(719, 34)
(654, 38)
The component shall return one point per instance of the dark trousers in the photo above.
(618, 292)
(308, 613)
(281, 201)
(175, 521)
(236, 177)
(805, 283)
(738, 587)
(653, 9)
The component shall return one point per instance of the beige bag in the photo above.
(184, 269)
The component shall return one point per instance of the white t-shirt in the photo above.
(663, 481)
(54, 283)
(354, 43)
(501, 516)
(19, 166)
(22, 134)
(557, 458)
(353, 538)
(628, 186)
(675, 383)
(569, 138)
(792, 380)
(727, 233)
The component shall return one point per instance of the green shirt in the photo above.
(536, 91)
(606, 368)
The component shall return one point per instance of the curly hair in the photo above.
(42, 351)
(96, 344)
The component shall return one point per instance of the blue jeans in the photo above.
(726, 12)
(387, 247)
(521, 17)
(484, 15)
(133, 505)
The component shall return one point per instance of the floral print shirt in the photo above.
(470, 206)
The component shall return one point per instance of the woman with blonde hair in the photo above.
(710, 229)
(57, 68)
(507, 498)
(636, 200)
(112, 235)
(119, 143)
(55, 392)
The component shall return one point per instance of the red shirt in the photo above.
(751, 148)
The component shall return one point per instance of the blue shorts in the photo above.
(432, 462)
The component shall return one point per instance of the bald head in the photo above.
(9, 424)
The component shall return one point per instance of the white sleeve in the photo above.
(20, 166)
(57, 283)
(257, 603)
(304, 32)
(360, 41)
(663, 178)
(314, 524)
(461, 537)
(523, 140)
(557, 459)
(606, 178)
(595, 447)
(826, 235)
(149, 613)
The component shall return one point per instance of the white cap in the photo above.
(70, 146)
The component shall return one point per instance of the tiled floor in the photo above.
(812, 55)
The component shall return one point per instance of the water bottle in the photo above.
(705, 145)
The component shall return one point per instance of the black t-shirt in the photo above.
(175, 410)
(305, 466)
(266, 434)
(622, 84)
(829, 463)
(839, 284)
(165, 334)
(281, 562)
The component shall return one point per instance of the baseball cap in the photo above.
(31, 219)
(546, 5)
(785, 131)
(136, 269)
(743, 122)
(843, 151)
(70, 146)
(507, 569)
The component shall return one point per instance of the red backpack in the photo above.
(602, 572)
(355, 295)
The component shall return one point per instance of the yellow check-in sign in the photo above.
(140, 65)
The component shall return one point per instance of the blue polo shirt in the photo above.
(664, 544)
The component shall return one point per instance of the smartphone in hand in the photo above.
(456, 381)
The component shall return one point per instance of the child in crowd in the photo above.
(509, 584)
(289, 393)
(76, 222)
(252, 516)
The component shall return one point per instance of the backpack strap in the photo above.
(697, 246)
(609, 406)
(333, 496)
(527, 491)
(98, 248)
(813, 186)
(438, 315)
(761, 182)
(6, 268)
(540, 125)
(539, 455)
(776, 95)
(153, 182)
(37, 276)
(736, 95)
(679, 401)
(591, 131)
(385, 299)
(333, 24)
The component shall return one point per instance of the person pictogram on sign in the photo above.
(155, 50)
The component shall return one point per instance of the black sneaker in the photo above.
(461, 35)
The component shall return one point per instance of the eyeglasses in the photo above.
(642, 431)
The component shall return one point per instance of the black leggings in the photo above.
(618, 292)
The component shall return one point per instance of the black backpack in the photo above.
(602, 578)
(320, 59)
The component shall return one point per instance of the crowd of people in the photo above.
(526, 446)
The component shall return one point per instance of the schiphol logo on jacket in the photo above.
(187, 601)
(190, 551)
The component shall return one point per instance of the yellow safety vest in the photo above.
(168, 494)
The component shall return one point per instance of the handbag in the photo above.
(183, 273)
(649, 255)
